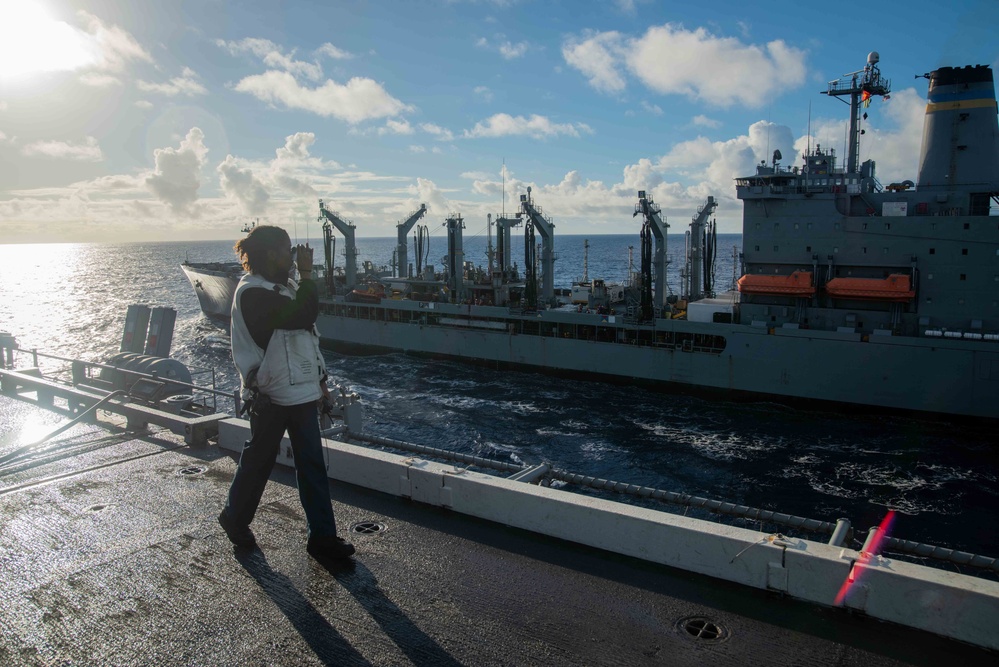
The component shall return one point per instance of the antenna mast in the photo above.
(808, 151)
(861, 86)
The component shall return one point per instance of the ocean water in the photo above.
(941, 478)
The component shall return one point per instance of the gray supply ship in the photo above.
(851, 292)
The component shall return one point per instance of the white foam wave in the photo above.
(553, 433)
(500, 450)
(595, 450)
(720, 445)
(952, 474)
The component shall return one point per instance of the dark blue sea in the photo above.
(942, 478)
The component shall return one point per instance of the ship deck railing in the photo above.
(81, 372)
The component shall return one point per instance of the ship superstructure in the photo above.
(828, 247)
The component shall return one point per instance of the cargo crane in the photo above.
(536, 219)
(504, 258)
(332, 218)
(701, 250)
(402, 229)
(655, 224)
(455, 260)
(421, 246)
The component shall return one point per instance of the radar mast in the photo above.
(861, 86)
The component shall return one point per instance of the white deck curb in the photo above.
(943, 603)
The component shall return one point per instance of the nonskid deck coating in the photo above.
(124, 563)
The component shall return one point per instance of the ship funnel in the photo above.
(960, 132)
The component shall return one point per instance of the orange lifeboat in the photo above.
(798, 283)
(896, 287)
(373, 294)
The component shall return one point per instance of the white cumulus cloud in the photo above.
(509, 50)
(535, 126)
(115, 47)
(274, 57)
(185, 84)
(393, 126)
(499, 43)
(671, 60)
(86, 151)
(598, 57)
(240, 184)
(654, 109)
(293, 168)
(358, 100)
(440, 133)
(718, 70)
(426, 191)
(641, 176)
(333, 52)
(296, 147)
(177, 176)
(111, 184)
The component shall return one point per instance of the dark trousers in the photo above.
(257, 460)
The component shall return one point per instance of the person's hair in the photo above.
(252, 250)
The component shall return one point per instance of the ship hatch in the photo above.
(702, 628)
(368, 527)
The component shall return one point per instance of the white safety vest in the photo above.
(292, 365)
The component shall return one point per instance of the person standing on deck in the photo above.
(275, 347)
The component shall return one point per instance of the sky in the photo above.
(176, 120)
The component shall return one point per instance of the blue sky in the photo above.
(182, 120)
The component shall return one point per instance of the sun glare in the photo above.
(32, 42)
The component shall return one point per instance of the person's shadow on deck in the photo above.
(328, 644)
(417, 645)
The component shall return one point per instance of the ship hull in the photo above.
(214, 284)
(950, 377)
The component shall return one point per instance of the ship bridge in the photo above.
(819, 174)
